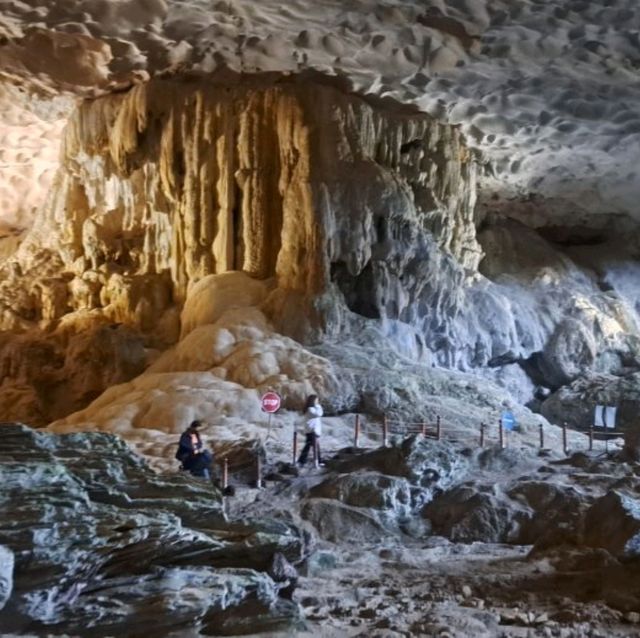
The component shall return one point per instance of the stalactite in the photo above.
(173, 181)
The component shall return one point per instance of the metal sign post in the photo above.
(271, 402)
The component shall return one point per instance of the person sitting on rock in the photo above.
(313, 413)
(191, 453)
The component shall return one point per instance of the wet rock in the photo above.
(524, 512)
(495, 459)
(366, 504)
(415, 527)
(253, 616)
(367, 613)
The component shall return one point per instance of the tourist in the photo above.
(191, 453)
(313, 414)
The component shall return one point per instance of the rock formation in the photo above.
(416, 210)
(174, 181)
(353, 219)
(90, 537)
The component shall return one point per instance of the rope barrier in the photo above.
(418, 423)
(571, 440)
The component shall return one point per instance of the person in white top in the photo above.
(313, 414)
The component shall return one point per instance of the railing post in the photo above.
(541, 436)
(258, 471)
(565, 446)
(438, 428)
(501, 434)
(591, 438)
(356, 433)
(385, 431)
(423, 428)
(225, 473)
(481, 434)
(295, 447)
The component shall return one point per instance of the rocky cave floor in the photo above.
(423, 538)
(402, 586)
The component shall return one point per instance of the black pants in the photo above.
(310, 441)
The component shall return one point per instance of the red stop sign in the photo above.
(271, 402)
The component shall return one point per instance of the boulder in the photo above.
(632, 443)
(338, 522)
(423, 462)
(569, 353)
(575, 403)
(613, 522)
(367, 490)
(556, 512)
(526, 512)
(470, 513)
(363, 505)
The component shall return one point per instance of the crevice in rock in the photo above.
(358, 290)
(568, 236)
(533, 368)
(410, 146)
(237, 244)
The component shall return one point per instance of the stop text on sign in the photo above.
(271, 402)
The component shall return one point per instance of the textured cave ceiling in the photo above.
(548, 89)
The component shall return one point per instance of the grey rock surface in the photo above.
(632, 444)
(104, 543)
(7, 561)
(613, 522)
(575, 402)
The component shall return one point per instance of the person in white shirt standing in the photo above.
(313, 414)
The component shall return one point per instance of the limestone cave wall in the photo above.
(295, 181)
(357, 215)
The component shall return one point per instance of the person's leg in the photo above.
(302, 459)
(198, 466)
(188, 464)
(207, 462)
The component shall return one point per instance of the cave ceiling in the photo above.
(547, 90)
